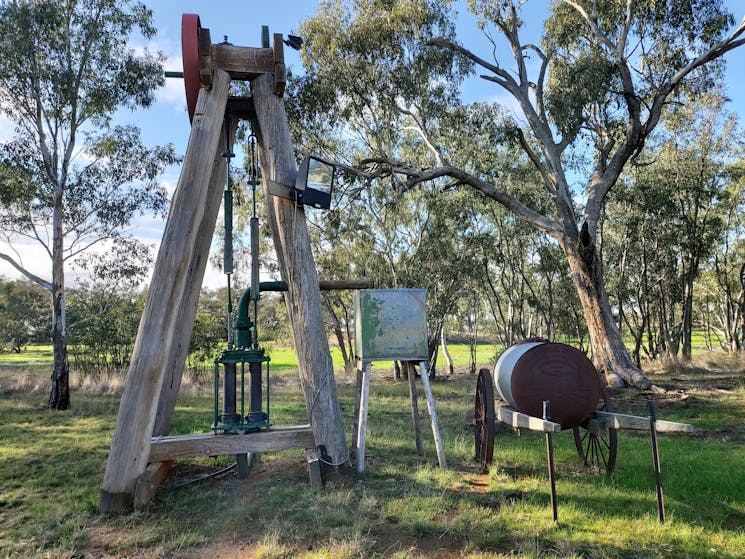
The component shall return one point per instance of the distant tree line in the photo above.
(672, 246)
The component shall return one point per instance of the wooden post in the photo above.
(411, 373)
(362, 420)
(194, 276)
(357, 396)
(130, 446)
(433, 415)
(298, 269)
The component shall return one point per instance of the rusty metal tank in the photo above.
(533, 371)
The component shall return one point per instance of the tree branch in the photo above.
(33, 277)
(539, 221)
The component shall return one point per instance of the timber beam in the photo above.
(209, 444)
(518, 420)
(637, 423)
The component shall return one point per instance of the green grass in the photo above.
(404, 506)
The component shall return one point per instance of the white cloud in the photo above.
(172, 94)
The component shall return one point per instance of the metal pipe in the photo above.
(255, 289)
(550, 453)
(228, 246)
(243, 322)
(656, 460)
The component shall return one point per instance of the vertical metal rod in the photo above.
(357, 394)
(656, 460)
(550, 453)
(217, 392)
(362, 421)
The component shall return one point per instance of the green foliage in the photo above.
(24, 314)
(665, 36)
(669, 226)
(70, 179)
(102, 328)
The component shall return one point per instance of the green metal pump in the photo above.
(242, 351)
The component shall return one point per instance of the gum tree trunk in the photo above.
(59, 395)
(608, 351)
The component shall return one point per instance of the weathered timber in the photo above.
(364, 395)
(130, 445)
(203, 50)
(148, 483)
(638, 423)
(439, 446)
(297, 267)
(519, 420)
(242, 63)
(210, 444)
(334, 285)
(194, 276)
(411, 374)
(323, 285)
(241, 107)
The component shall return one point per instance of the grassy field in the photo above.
(404, 506)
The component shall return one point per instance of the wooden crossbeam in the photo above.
(638, 423)
(209, 444)
(242, 62)
(514, 418)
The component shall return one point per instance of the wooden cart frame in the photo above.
(595, 438)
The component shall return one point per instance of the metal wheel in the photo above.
(484, 419)
(597, 449)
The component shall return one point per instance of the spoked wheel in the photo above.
(484, 419)
(597, 447)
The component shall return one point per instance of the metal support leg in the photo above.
(362, 420)
(656, 460)
(550, 454)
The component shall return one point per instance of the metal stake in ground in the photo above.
(550, 454)
(656, 460)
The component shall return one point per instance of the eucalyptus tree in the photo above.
(727, 267)
(591, 90)
(71, 180)
(667, 220)
(700, 138)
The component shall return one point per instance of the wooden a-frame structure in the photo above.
(154, 376)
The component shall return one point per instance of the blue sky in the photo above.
(166, 120)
